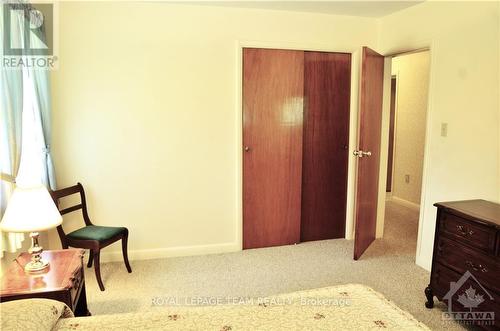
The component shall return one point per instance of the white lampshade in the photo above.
(30, 209)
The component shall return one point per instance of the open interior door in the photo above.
(368, 152)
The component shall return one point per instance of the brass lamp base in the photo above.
(36, 264)
(35, 267)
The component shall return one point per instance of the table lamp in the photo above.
(31, 209)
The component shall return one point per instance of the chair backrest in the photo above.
(78, 188)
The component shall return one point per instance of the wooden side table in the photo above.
(63, 281)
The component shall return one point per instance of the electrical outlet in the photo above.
(407, 179)
(444, 129)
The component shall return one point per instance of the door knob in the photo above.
(361, 153)
(247, 149)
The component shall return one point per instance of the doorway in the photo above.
(406, 146)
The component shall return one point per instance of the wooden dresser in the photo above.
(467, 253)
(63, 281)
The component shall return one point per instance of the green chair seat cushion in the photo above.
(95, 232)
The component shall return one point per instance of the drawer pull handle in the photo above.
(476, 267)
(463, 231)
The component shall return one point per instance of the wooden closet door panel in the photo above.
(273, 87)
(327, 85)
(370, 127)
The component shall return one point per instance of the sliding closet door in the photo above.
(273, 87)
(327, 85)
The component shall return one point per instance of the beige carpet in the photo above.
(388, 267)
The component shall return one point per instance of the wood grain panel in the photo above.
(273, 87)
(63, 266)
(370, 123)
(327, 83)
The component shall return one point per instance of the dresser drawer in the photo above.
(461, 259)
(440, 282)
(441, 278)
(464, 231)
(77, 281)
(498, 244)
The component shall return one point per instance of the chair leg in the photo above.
(97, 268)
(91, 258)
(125, 254)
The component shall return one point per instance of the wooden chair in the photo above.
(92, 237)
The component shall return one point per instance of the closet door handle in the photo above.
(361, 153)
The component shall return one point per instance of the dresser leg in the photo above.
(430, 297)
(81, 306)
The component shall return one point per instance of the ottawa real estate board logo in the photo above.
(29, 35)
(469, 302)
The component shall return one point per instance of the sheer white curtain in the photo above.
(31, 170)
(37, 90)
(11, 104)
(31, 162)
(24, 154)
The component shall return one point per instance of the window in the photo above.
(32, 153)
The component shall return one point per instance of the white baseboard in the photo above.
(158, 253)
(405, 203)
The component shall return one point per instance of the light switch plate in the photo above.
(444, 129)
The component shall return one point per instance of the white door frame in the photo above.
(396, 76)
(429, 46)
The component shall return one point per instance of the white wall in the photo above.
(146, 114)
(384, 147)
(146, 111)
(464, 92)
(412, 72)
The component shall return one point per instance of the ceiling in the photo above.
(352, 8)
